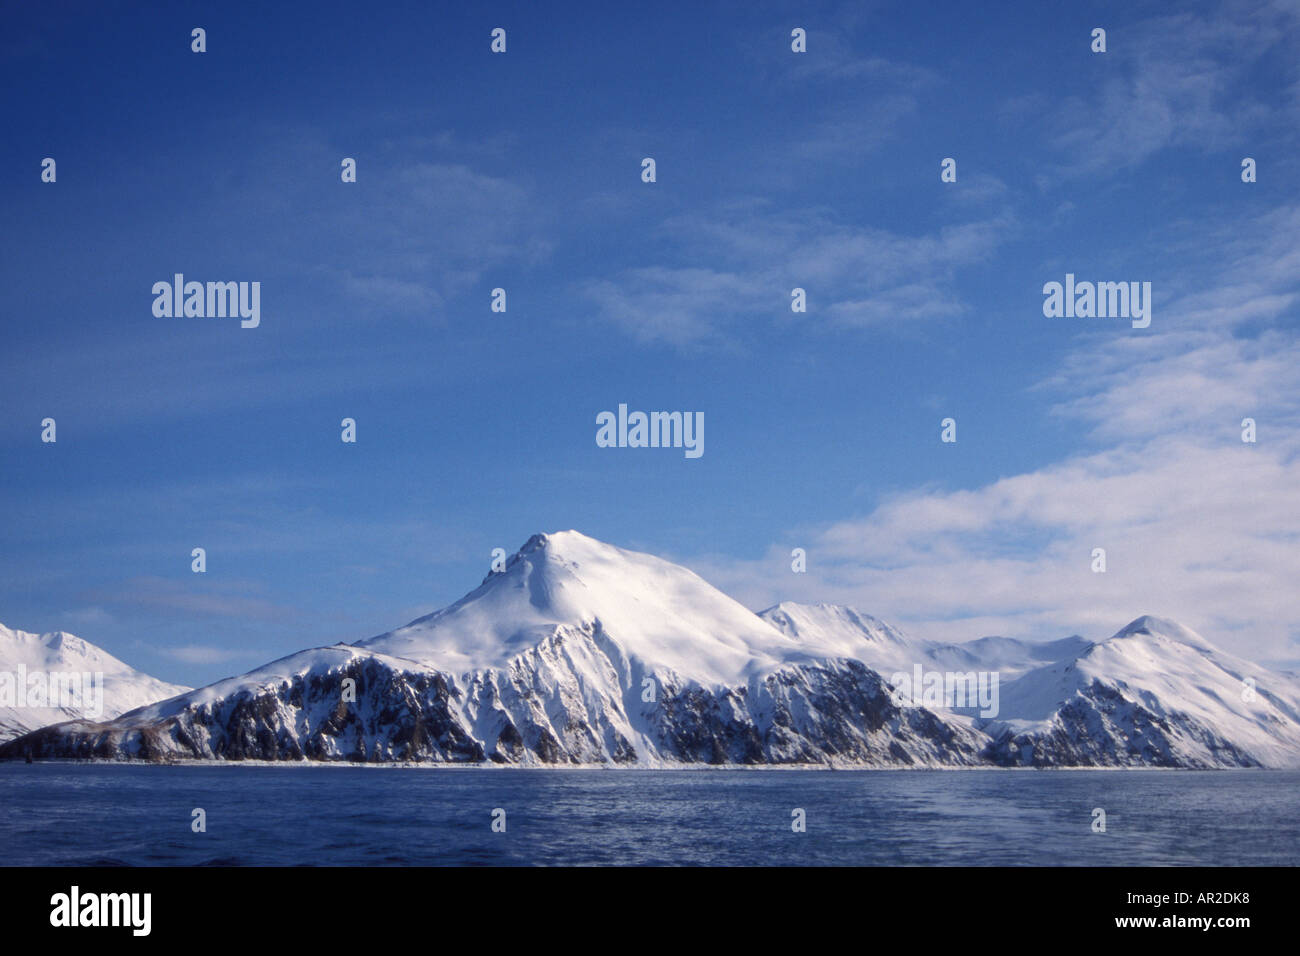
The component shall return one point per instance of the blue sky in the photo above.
(775, 170)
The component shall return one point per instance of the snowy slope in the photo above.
(850, 633)
(836, 631)
(124, 688)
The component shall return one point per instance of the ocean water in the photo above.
(93, 814)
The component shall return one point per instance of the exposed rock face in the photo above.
(1100, 727)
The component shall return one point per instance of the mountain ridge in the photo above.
(579, 652)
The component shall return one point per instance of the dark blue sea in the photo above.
(95, 814)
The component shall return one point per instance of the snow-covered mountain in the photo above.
(1154, 694)
(580, 652)
(29, 699)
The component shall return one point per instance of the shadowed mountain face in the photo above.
(583, 653)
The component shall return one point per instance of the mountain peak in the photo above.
(661, 614)
(562, 544)
(1149, 625)
(557, 539)
(535, 543)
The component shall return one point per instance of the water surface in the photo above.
(87, 814)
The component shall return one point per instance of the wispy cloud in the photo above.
(1178, 80)
(87, 617)
(202, 654)
(854, 276)
(164, 595)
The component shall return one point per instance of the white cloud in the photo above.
(1207, 535)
